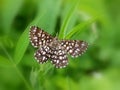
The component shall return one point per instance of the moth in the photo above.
(49, 47)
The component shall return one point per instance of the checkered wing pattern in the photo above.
(74, 47)
(38, 37)
(59, 57)
(54, 49)
(42, 54)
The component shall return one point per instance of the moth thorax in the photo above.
(55, 43)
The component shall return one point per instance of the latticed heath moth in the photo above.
(52, 48)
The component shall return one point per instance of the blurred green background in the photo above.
(94, 21)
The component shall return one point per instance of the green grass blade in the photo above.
(79, 28)
(67, 20)
(4, 62)
(23, 41)
(21, 46)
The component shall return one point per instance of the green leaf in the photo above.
(67, 20)
(21, 46)
(79, 28)
(23, 42)
(4, 62)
